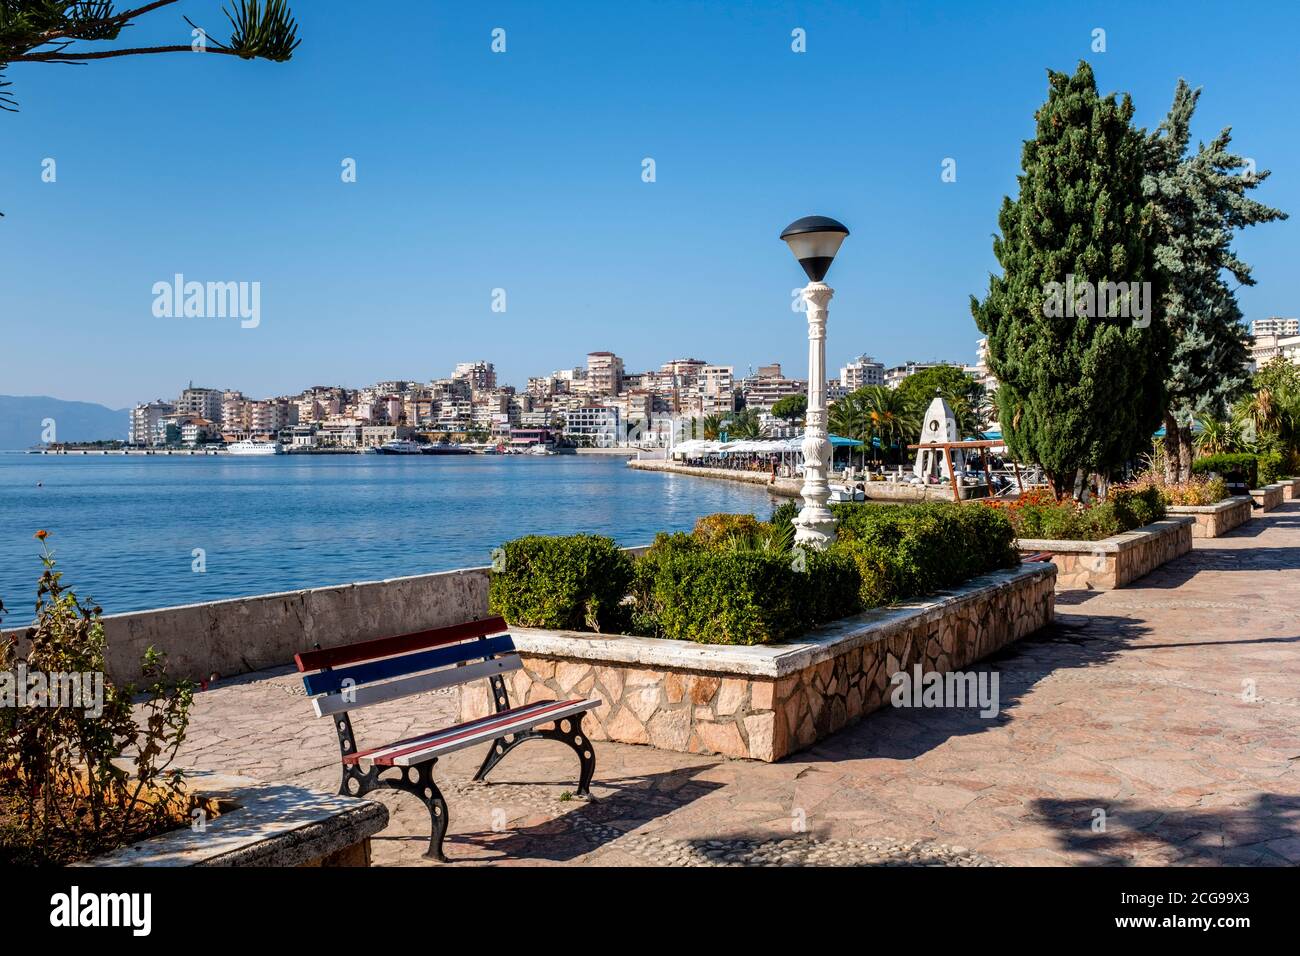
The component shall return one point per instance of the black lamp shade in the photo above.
(814, 240)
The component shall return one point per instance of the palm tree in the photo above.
(712, 427)
(1216, 436)
(889, 419)
(744, 425)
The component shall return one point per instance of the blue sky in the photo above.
(522, 171)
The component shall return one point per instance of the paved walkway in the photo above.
(1157, 724)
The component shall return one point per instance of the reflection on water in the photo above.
(125, 528)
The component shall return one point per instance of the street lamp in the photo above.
(815, 240)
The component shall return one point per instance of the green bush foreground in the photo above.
(736, 580)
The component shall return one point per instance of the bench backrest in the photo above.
(372, 672)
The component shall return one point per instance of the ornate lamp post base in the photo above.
(815, 525)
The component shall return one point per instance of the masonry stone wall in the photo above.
(1268, 497)
(1118, 560)
(765, 702)
(1216, 520)
(1290, 488)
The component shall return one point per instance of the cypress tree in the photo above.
(1199, 199)
(1080, 365)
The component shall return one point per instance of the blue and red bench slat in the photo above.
(501, 724)
(402, 644)
(331, 681)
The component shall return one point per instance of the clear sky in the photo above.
(522, 171)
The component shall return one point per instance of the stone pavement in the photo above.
(1157, 724)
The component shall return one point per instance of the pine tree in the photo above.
(1081, 386)
(1199, 199)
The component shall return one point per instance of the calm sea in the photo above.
(124, 529)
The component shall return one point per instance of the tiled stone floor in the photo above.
(1169, 710)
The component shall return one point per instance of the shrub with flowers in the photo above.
(1038, 514)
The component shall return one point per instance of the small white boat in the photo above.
(838, 494)
(401, 446)
(250, 447)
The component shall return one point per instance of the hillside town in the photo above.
(596, 405)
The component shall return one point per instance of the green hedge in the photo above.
(1240, 465)
(737, 582)
(570, 583)
(1123, 510)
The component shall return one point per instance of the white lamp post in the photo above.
(814, 240)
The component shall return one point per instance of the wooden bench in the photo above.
(344, 679)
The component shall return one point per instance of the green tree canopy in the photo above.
(792, 408)
(1081, 384)
(52, 31)
(1199, 200)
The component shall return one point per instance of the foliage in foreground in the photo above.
(1038, 514)
(737, 580)
(75, 779)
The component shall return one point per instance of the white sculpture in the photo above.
(940, 425)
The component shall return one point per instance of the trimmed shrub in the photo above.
(1136, 507)
(1271, 467)
(833, 585)
(729, 597)
(1236, 468)
(904, 551)
(576, 582)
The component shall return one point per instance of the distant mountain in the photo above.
(21, 418)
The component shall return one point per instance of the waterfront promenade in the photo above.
(1170, 710)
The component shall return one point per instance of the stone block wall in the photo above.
(767, 716)
(1290, 488)
(1268, 497)
(1118, 560)
(1213, 521)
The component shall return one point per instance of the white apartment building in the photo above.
(202, 403)
(768, 386)
(598, 423)
(862, 371)
(604, 373)
(144, 421)
(1275, 325)
(481, 376)
(1265, 348)
(715, 391)
(894, 376)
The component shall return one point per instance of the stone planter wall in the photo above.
(1118, 560)
(266, 825)
(1290, 488)
(1217, 519)
(766, 701)
(1268, 497)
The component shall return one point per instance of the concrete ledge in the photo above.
(786, 487)
(1213, 521)
(270, 825)
(1268, 497)
(766, 701)
(1118, 560)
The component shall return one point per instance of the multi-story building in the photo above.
(862, 371)
(768, 386)
(715, 391)
(144, 421)
(604, 373)
(596, 425)
(202, 403)
(1265, 348)
(269, 417)
(1275, 325)
(481, 376)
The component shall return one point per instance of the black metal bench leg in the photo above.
(575, 738)
(429, 793)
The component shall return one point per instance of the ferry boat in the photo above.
(401, 446)
(447, 449)
(250, 447)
